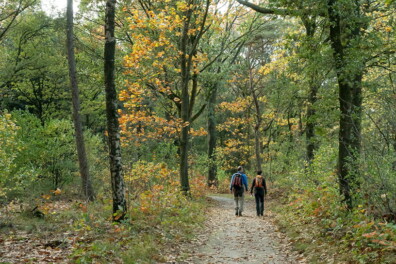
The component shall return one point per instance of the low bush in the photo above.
(317, 219)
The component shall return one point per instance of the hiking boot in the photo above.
(240, 213)
(236, 213)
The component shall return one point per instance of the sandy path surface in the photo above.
(227, 238)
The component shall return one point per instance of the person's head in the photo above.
(259, 172)
(240, 168)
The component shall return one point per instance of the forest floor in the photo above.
(224, 238)
(227, 238)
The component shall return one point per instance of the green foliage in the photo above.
(49, 149)
(9, 146)
(41, 154)
(379, 184)
(34, 69)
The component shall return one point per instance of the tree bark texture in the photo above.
(257, 127)
(350, 99)
(311, 146)
(82, 156)
(185, 105)
(113, 128)
(212, 137)
(257, 114)
(188, 49)
(311, 124)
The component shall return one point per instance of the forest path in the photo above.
(227, 238)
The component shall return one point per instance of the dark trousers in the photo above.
(259, 196)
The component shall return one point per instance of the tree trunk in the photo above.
(257, 126)
(311, 123)
(257, 147)
(82, 156)
(185, 104)
(350, 99)
(185, 135)
(184, 139)
(212, 134)
(188, 49)
(257, 131)
(117, 179)
(311, 146)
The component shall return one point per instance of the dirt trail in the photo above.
(231, 239)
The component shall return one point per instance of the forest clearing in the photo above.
(129, 130)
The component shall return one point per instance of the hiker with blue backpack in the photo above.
(238, 186)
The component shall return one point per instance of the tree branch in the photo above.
(269, 11)
(280, 12)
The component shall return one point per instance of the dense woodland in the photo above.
(133, 109)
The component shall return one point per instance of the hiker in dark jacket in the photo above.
(238, 185)
(260, 189)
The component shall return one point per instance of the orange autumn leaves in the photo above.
(150, 97)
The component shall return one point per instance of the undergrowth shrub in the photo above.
(40, 157)
(159, 216)
(314, 206)
(320, 212)
(378, 185)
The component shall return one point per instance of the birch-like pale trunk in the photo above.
(113, 127)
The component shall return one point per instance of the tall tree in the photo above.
(212, 137)
(81, 153)
(173, 33)
(311, 145)
(189, 49)
(113, 127)
(346, 25)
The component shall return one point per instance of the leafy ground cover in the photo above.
(60, 230)
(325, 232)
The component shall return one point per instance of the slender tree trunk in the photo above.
(185, 136)
(311, 123)
(82, 156)
(185, 133)
(257, 127)
(257, 147)
(117, 179)
(257, 131)
(185, 104)
(188, 48)
(212, 134)
(311, 146)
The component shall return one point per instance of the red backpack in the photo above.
(237, 181)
